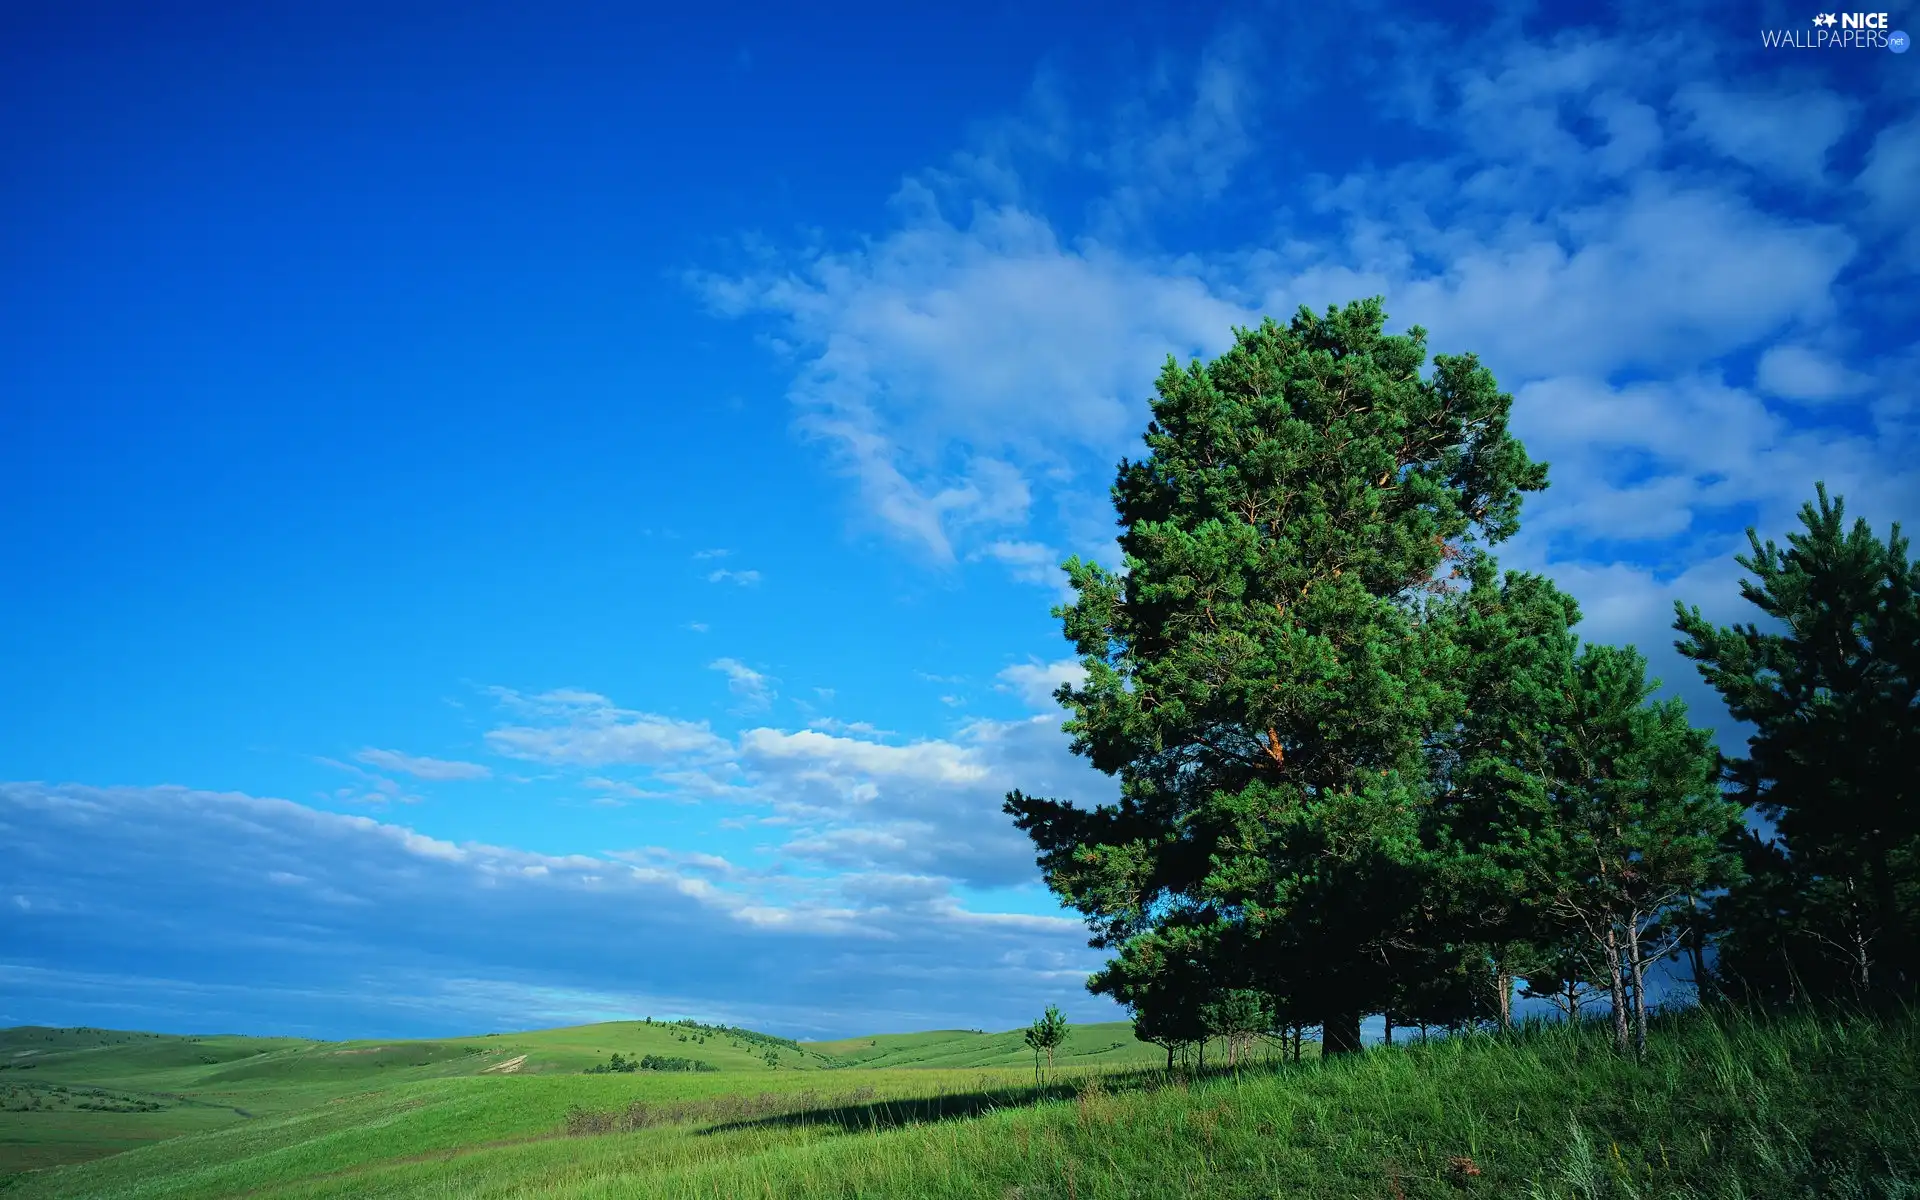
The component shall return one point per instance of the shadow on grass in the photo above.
(863, 1109)
(855, 1114)
(863, 1112)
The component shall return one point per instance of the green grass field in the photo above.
(70, 1095)
(1723, 1107)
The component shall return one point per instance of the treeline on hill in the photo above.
(697, 1030)
(1364, 771)
(619, 1064)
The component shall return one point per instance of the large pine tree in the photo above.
(1267, 674)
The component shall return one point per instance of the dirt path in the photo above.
(506, 1068)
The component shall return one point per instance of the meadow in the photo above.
(1724, 1106)
(71, 1095)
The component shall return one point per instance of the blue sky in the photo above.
(527, 516)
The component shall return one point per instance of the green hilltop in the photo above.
(1107, 1044)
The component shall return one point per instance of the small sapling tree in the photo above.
(1045, 1036)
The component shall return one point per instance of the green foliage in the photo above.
(1360, 769)
(1261, 677)
(1831, 688)
(1238, 1016)
(1046, 1035)
(618, 1065)
(1640, 824)
(749, 1036)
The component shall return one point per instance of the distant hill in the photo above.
(72, 1094)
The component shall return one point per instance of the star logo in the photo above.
(1827, 19)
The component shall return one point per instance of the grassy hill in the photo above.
(1110, 1044)
(1723, 1107)
(69, 1095)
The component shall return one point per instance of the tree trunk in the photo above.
(1616, 987)
(1637, 960)
(1340, 1034)
(1503, 983)
(1859, 959)
(1388, 1040)
(1169, 1058)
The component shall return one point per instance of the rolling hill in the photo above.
(69, 1095)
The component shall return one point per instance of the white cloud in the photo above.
(1154, 160)
(1654, 460)
(1788, 134)
(1605, 230)
(422, 768)
(741, 578)
(1029, 562)
(989, 335)
(1035, 682)
(615, 791)
(1891, 179)
(835, 725)
(931, 807)
(1796, 372)
(936, 762)
(948, 351)
(848, 795)
(1890, 185)
(753, 689)
(1663, 276)
(586, 729)
(319, 920)
(700, 554)
(372, 789)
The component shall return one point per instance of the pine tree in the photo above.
(1263, 677)
(1162, 978)
(1493, 770)
(1639, 824)
(1834, 760)
(1237, 1016)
